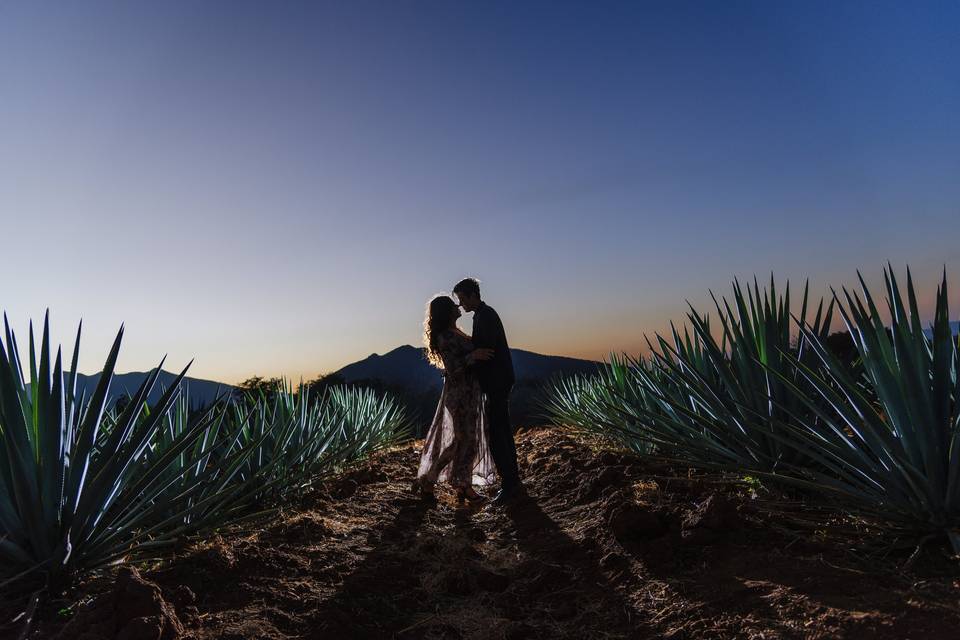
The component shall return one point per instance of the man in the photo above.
(496, 379)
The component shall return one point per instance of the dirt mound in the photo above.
(603, 546)
(134, 610)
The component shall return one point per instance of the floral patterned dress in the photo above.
(456, 449)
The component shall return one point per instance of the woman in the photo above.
(456, 448)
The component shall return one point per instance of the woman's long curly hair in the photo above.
(441, 311)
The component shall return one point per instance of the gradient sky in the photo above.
(277, 187)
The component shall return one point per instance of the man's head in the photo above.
(468, 294)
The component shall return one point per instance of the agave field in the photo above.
(83, 486)
(760, 392)
(754, 388)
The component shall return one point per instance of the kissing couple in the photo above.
(470, 440)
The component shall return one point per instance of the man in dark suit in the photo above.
(496, 379)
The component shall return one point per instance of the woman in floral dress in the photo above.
(456, 449)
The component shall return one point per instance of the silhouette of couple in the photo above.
(470, 440)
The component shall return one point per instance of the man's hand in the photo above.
(478, 355)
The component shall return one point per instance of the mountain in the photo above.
(406, 373)
(202, 393)
(407, 367)
(404, 368)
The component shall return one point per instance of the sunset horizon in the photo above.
(279, 193)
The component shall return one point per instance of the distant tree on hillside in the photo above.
(842, 346)
(257, 385)
(322, 382)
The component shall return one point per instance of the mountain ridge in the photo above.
(201, 392)
(404, 366)
(407, 366)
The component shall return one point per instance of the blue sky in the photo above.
(277, 188)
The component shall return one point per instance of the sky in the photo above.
(278, 188)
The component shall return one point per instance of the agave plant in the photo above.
(722, 402)
(586, 402)
(294, 440)
(62, 476)
(888, 443)
(258, 449)
(83, 486)
(702, 398)
(367, 420)
(202, 483)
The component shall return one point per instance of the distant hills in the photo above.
(404, 368)
(202, 392)
(407, 367)
(406, 373)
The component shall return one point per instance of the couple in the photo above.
(470, 439)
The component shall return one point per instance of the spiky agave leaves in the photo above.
(587, 402)
(259, 449)
(365, 420)
(722, 402)
(888, 443)
(60, 476)
(704, 397)
(82, 486)
(198, 485)
(294, 439)
(285, 439)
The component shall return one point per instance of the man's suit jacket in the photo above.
(495, 374)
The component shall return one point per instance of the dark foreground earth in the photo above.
(605, 546)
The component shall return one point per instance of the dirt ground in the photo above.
(604, 546)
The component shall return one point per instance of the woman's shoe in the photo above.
(469, 495)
